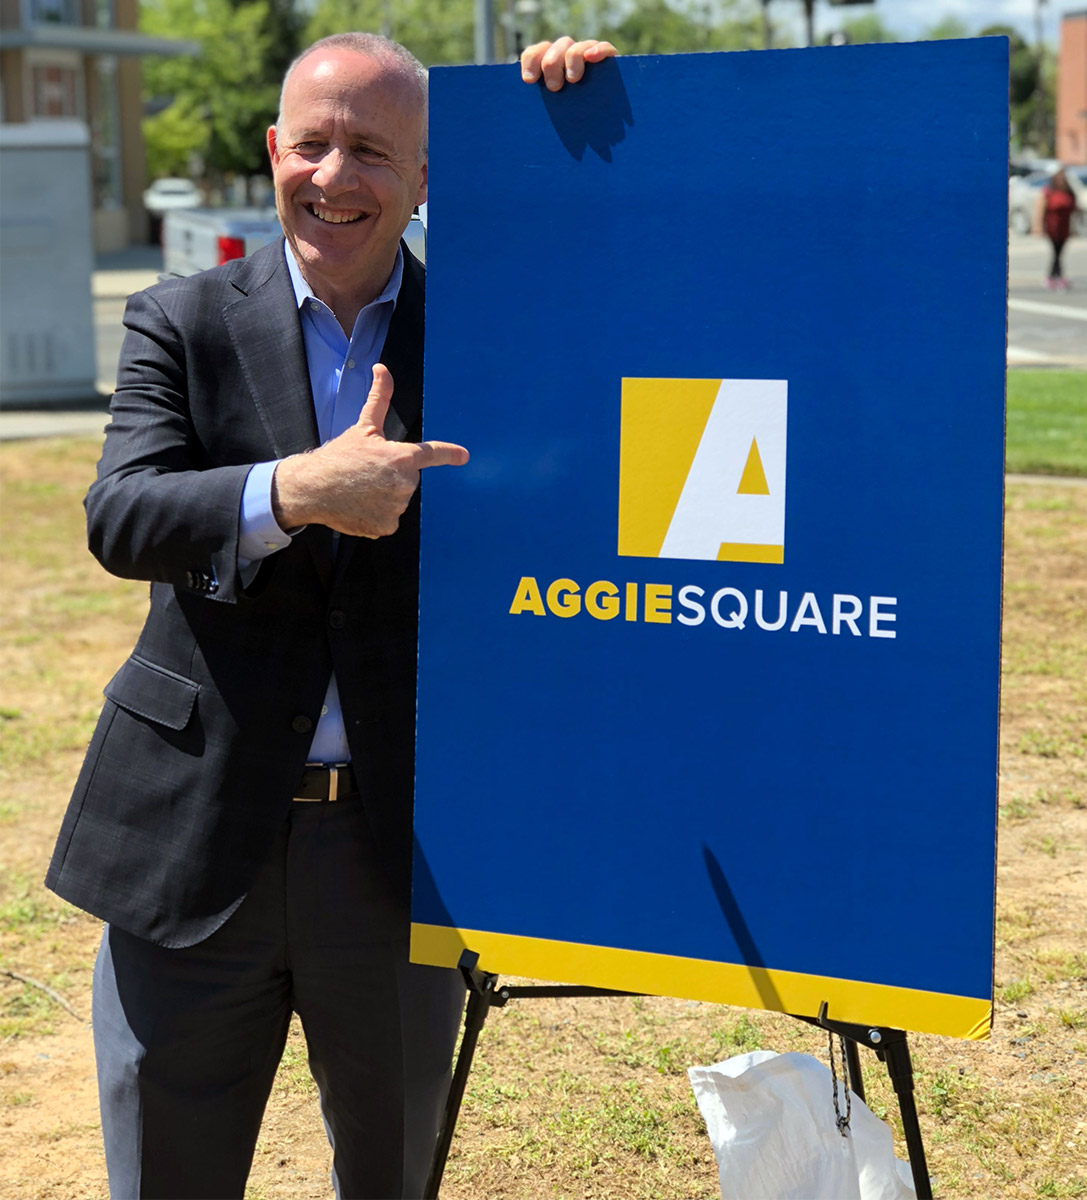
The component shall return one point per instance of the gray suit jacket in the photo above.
(206, 727)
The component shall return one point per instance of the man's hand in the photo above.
(358, 483)
(562, 61)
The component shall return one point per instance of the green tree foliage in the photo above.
(216, 105)
(868, 28)
(656, 27)
(674, 26)
(949, 27)
(284, 25)
(444, 33)
(1031, 91)
(434, 33)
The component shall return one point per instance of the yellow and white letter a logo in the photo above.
(702, 469)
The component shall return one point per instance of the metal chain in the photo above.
(839, 1120)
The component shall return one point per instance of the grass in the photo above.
(1017, 990)
(586, 1098)
(1047, 423)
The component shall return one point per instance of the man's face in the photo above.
(347, 167)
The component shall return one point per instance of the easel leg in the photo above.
(892, 1048)
(896, 1054)
(853, 1068)
(889, 1044)
(480, 992)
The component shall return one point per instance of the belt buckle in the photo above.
(333, 770)
(334, 779)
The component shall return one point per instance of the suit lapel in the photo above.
(403, 355)
(266, 332)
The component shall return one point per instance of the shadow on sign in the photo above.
(764, 984)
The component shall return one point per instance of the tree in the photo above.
(949, 27)
(868, 28)
(1030, 91)
(434, 33)
(215, 105)
(656, 27)
(445, 33)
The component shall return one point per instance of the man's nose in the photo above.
(336, 172)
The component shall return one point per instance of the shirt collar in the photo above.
(303, 291)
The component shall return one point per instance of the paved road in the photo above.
(1044, 328)
(117, 277)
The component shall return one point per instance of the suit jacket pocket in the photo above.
(153, 692)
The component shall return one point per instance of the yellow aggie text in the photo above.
(727, 607)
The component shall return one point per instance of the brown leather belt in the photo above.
(324, 784)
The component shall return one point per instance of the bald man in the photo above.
(242, 821)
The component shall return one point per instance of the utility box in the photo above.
(46, 261)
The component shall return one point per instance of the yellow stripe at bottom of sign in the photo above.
(698, 979)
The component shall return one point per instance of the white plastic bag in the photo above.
(771, 1120)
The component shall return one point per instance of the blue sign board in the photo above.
(710, 624)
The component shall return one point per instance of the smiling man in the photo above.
(349, 159)
(242, 821)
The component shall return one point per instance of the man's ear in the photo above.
(420, 195)
(272, 154)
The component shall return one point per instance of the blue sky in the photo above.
(910, 18)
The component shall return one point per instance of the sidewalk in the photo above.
(117, 276)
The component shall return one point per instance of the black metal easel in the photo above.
(890, 1046)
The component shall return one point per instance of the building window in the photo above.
(53, 91)
(52, 12)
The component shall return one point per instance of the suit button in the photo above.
(190, 579)
(302, 725)
(337, 619)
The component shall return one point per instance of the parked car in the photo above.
(1027, 166)
(165, 195)
(208, 237)
(1023, 196)
(198, 238)
(169, 195)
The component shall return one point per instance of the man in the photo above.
(242, 819)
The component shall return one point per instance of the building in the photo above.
(1071, 132)
(80, 59)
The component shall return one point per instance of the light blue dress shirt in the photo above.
(341, 370)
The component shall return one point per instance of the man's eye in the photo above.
(309, 146)
(367, 152)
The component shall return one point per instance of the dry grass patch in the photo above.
(569, 1098)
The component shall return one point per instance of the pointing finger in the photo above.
(376, 408)
(440, 454)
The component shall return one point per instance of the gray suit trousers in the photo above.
(188, 1040)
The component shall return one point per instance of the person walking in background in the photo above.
(1053, 217)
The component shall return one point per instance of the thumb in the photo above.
(376, 408)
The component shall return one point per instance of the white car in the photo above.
(208, 237)
(165, 195)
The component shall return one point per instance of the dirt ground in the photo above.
(568, 1098)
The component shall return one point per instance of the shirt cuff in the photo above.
(259, 533)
